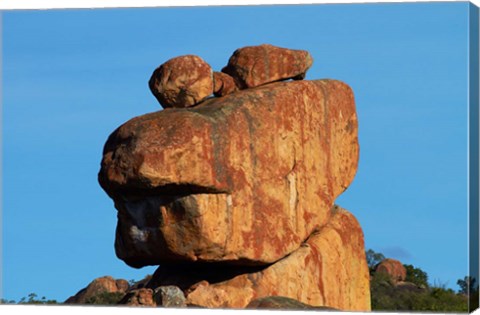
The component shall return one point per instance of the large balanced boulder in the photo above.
(241, 179)
(256, 65)
(182, 81)
(328, 270)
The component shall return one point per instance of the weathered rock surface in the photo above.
(223, 84)
(244, 178)
(182, 81)
(393, 268)
(98, 286)
(256, 65)
(283, 303)
(329, 270)
(169, 296)
(139, 297)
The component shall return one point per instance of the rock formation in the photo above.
(256, 65)
(233, 183)
(97, 287)
(284, 303)
(169, 296)
(182, 81)
(223, 84)
(233, 196)
(138, 297)
(392, 268)
(326, 270)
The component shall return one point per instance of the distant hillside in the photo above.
(398, 287)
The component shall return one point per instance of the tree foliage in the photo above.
(469, 287)
(416, 275)
(386, 296)
(466, 285)
(33, 299)
(415, 294)
(373, 259)
(105, 298)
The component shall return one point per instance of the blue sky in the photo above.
(70, 77)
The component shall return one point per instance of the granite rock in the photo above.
(244, 178)
(257, 65)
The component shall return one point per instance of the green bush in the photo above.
(373, 258)
(105, 298)
(417, 296)
(32, 299)
(416, 275)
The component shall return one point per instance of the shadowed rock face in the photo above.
(243, 179)
(223, 84)
(329, 269)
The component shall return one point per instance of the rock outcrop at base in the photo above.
(283, 303)
(233, 195)
(98, 287)
(327, 270)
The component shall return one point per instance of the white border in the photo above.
(78, 4)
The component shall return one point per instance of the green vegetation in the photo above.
(373, 259)
(105, 298)
(388, 297)
(416, 294)
(416, 276)
(32, 299)
(466, 285)
(469, 287)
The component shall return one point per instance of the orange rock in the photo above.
(329, 270)
(98, 286)
(244, 178)
(256, 65)
(223, 84)
(283, 303)
(393, 268)
(182, 81)
(139, 297)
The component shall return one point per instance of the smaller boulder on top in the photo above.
(223, 84)
(256, 65)
(182, 81)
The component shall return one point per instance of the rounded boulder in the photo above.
(182, 82)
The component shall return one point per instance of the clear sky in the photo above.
(70, 77)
